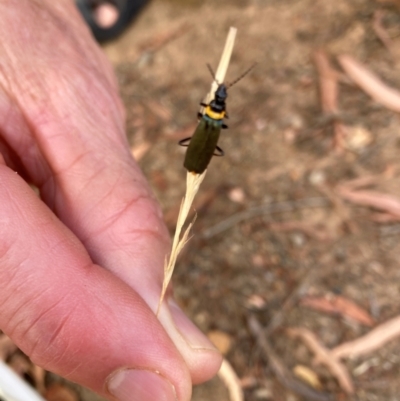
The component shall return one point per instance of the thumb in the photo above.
(74, 317)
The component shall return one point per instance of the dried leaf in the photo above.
(221, 340)
(308, 376)
(338, 305)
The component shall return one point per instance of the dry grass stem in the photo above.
(193, 180)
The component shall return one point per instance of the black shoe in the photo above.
(127, 10)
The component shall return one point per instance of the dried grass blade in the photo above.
(193, 180)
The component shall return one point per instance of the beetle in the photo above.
(203, 145)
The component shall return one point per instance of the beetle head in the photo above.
(221, 93)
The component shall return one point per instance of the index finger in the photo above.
(71, 137)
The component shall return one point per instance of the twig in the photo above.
(385, 202)
(279, 369)
(250, 213)
(231, 381)
(193, 180)
(328, 82)
(375, 339)
(370, 83)
(329, 93)
(324, 356)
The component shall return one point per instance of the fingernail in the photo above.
(140, 385)
(193, 336)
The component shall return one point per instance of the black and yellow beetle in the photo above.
(203, 144)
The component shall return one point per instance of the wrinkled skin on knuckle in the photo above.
(51, 341)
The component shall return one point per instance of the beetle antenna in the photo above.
(240, 77)
(211, 70)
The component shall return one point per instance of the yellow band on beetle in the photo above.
(215, 115)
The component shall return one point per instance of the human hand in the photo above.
(81, 269)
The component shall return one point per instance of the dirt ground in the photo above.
(287, 233)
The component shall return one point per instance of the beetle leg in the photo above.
(224, 126)
(182, 142)
(221, 152)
